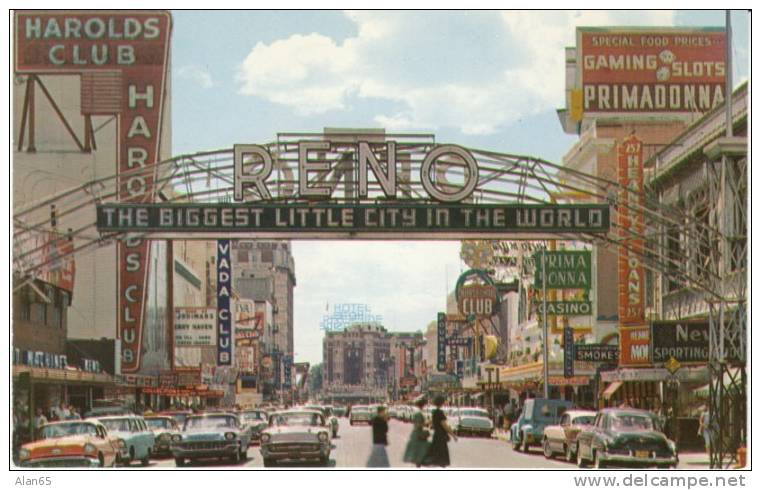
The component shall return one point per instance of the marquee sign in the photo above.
(121, 59)
(303, 220)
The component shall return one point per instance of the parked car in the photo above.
(360, 414)
(211, 435)
(339, 411)
(79, 443)
(471, 420)
(537, 414)
(625, 437)
(164, 429)
(138, 438)
(256, 421)
(296, 435)
(561, 438)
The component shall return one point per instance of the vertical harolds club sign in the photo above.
(121, 59)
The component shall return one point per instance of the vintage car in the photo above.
(211, 435)
(138, 438)
(537, 414)
(561, 438)
(471, 420)
(179, 415)
(296, 435)
(339, 411)
(328, 413)
(256, 421)
(79, 443)
(360, 414)
(164, 428)
(625, 437)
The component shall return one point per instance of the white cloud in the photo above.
(473, 71)
(196, 73)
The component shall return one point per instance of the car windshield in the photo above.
(116, 425)
(296, 418)
(159, 423)
(211, 422)
(472, 412)
(63, 430)
(583, 420)
(626, 422)
(254, 416)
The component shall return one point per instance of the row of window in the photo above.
(33, 309)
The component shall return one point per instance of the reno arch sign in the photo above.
(378, 205)
(121, 59)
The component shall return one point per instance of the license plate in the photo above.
(642, 454)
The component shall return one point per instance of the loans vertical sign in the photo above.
(631, 222)
(224, 317)
(121, 58)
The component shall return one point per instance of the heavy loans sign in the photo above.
(121, 59)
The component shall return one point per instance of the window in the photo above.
(242, 255)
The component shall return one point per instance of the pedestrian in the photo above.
(706, 428)
(39, 421)
(417, 446)
(438, 451)
(378, 456)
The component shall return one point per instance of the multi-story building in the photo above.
(371, 362)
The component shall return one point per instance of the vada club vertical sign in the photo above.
(121, 60)
(224, 291)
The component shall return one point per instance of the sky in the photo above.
(480, 79)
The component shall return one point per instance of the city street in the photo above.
(352, 449)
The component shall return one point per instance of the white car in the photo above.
(296, 435)
(472, 420)
(360, 413)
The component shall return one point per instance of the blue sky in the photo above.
(481, 79)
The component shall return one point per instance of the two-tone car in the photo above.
(471, 420)
(625, 437)
(256, 421)
(138, 438)
(360, 414)
(537, 414)
(297, 435)
(78, 443)
(164, 429)
(561, 438)
(329, 417)
(211, 435)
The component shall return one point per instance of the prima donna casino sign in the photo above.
(448, 212)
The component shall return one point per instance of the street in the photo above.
(352, 449)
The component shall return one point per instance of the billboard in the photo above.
(685, 341)
(636, 70)
(246, 359)
(631, 222)
(195, 326)
(249, 323)
(122, 59)
(634, 346)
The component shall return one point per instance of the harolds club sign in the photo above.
(121, 58)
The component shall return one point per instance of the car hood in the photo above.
(59, 446)
(294, 433)
(206, 435)
(470, 421)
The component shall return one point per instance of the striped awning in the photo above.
(611, 389)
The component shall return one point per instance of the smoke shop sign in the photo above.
(442, 213)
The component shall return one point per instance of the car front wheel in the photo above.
(598, 462)
(524, 443)
(579, 458)
(568, 453)
(179, 462)
(547, 449)
(268, 462)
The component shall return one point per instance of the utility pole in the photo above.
(546, 375)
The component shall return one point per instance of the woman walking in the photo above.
(378, 456)
(438, 452)
(417, 446)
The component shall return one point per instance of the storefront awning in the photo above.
(68, 376)
(611, 389)
(521, 373)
